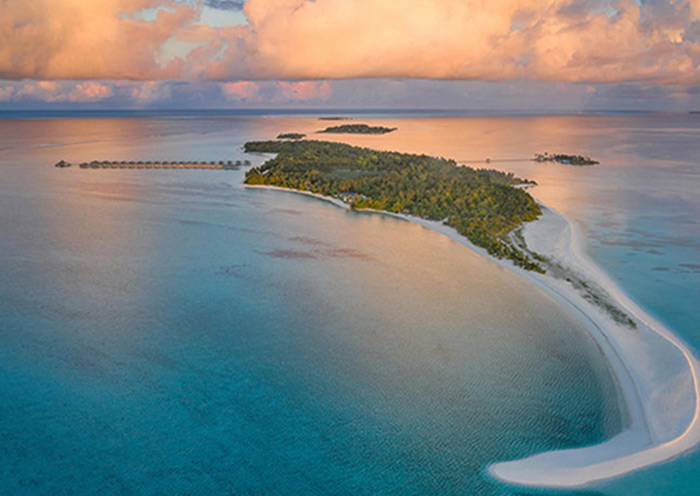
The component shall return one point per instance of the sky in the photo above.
(524, 55)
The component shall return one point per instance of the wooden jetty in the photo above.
(165, 164)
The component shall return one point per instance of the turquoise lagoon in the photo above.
(172, 332)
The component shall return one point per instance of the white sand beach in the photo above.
(657, 375)
(656, 372)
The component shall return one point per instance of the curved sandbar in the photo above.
(656, 372)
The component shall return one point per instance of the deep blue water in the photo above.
(170, 332)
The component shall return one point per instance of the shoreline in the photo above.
(663, 419)
(662, 401)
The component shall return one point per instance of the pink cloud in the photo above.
(556, 40)
(305, 90)
(149, 91)
(300, 40)
(48, 86)
(241, 90)
(53, 91)
(90, 91)
(86, 39)
(46, 91)
(6, 93)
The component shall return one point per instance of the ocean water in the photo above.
(639, 208)
(171, 332)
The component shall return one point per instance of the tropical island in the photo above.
(358, 129)
(488, 209)
(291, 136)
(561, 158)
(482, 205)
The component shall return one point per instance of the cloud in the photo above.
(6, 93)
(305, 90)
(529, 96)
(85, 39)
(241, 90)
(90, 91)
(53, 91)
(589, 41)
(276, 91)
(150, 91)
(555, 40)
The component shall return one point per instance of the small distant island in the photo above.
(562, 158)
(482, 205)
(62, 164)
(334, 118)
(291, 136)
(358, 129)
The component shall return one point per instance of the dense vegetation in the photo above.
(358, 129)
(482, 205)
(291, 136)
(564, 159)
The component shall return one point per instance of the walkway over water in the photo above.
(217, 165)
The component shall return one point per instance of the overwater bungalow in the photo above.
(160, 164)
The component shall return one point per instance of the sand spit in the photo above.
(656, 371)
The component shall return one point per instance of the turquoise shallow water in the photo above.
(170, 332)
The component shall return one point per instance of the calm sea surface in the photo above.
(171, 332)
